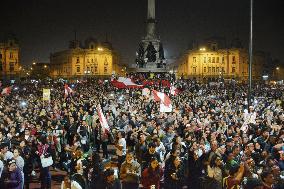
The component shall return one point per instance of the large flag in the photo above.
(123, 83)
(174, 91)
(6, 91)
(165, 101)
(67, 90)
(161, 97)
(102, 119)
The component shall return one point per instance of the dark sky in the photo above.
(46, 26)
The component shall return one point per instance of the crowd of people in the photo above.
(211, 139)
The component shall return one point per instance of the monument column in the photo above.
(151, 20)
(151, 9)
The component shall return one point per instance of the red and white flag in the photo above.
(102, 119)
(124, 82)
(165, 101)
(174, 91)
(6, 91)
(67, 90)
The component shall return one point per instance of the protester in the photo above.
(130, 172)
(207, 125)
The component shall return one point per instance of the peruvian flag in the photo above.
(124, 82)
(67, 90)
(6, 91)
(165, 101)
(102, 119)
(174, 91)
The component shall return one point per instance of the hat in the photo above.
(108, 172)
(151, 145)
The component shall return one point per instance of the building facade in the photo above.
(9, 58)
(92, 59)
(210, 62)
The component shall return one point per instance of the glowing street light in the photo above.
(45, 66)
(100, 49)
(34, 63)
(277, 68)
(202, 49)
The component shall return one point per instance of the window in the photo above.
(12, 68)
(213, 69)
(233, 59)
(78, 69)
(204, 69)
(0, 56)
(92, 46)
(78, 60)
(11, 55)
(88, 60)
(92, 60)
(204, 59)
(194, 59)
(223, 70)
(1, 67)
(194, 70)
(96, 68)
(233, 69)
(217, 59)
(92, 69)
(213, 59)
(223, 59)
(217, 69)
(209, 59)
(209, 69)
(105, 63)
(105, 69)
(88, 68)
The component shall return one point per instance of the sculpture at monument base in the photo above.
(151, 53)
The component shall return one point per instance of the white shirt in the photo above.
(8, 155)
(1, 167)
(122, 152)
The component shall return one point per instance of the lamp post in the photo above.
(250, 53)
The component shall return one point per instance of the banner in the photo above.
(46, 95)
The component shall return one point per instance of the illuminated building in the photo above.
(9, 57)
(92, 59)
(209, 61)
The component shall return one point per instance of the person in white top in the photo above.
(5, 152)
(120, 148)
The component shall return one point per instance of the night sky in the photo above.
(46, 26)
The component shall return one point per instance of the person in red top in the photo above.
(268, 179)
(151, 176)
(233, 181)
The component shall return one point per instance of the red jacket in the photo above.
(148, 179)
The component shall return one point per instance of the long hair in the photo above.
(153, 172)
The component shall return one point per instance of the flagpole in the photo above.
(250, 53)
